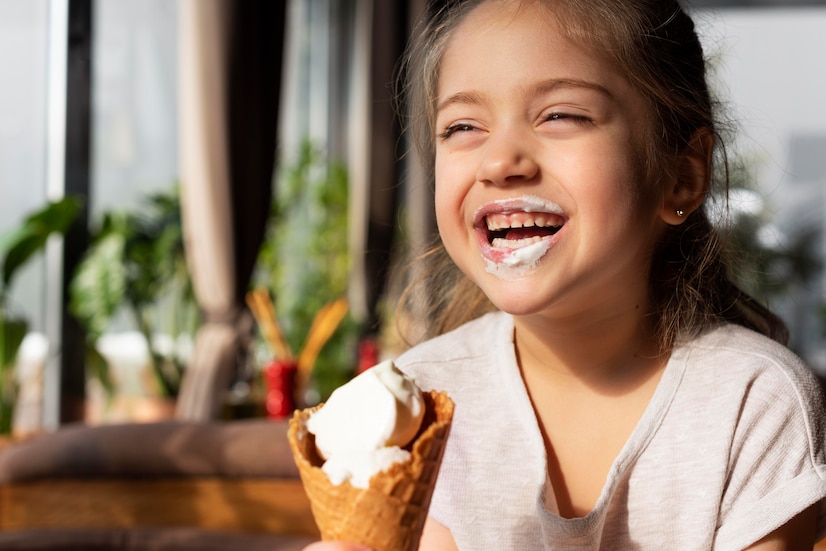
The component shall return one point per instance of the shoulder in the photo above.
(735, 353)
(471, 340)
(729, 337)
(466, 350)
(760, 391)
(756, 394)
(768, 406)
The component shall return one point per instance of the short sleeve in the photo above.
(776, 468)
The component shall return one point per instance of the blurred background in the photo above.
(105, 101)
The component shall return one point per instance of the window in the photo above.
(24, 41)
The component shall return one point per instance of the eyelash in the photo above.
(579, 119)
(452, 129)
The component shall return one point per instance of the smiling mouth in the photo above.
(520, 229)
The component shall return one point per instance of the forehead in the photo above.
(509, 42)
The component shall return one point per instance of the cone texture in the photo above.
(390, 514)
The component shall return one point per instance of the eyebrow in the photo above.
(473, 97)
(465, 98)
(556, 83)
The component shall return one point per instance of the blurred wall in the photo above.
(770, 73)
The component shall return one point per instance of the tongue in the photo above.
(525, 233)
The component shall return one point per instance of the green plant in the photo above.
(767, 266)
(17, 247)
(770, 269)
(136, 261)
(304, 261)
(771, 265)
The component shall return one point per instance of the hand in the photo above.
(336, 546)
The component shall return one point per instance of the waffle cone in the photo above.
(388, 515)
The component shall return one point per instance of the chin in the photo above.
(517, 297)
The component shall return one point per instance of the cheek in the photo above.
(449, 196)
(620, 178)
(448, 215)
(628, 205)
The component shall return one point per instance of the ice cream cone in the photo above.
(388, 515)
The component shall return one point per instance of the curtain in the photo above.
(230, 73)
(376, 147)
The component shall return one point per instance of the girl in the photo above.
(622, 393)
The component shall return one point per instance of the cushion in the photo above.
(248, 448)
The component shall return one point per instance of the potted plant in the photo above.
(304, 262)
(136, 262)
(17, 247)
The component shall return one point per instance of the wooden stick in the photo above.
(263, 325)
(324, 325)
(263, 311)
(267, 306)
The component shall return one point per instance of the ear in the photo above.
(685, 193)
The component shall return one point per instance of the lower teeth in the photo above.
(502, 243)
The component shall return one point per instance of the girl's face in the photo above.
(539, 176)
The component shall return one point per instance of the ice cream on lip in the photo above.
(514, 234)
(365, 424)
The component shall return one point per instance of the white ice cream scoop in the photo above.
(379, 409)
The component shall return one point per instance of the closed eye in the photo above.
(452, 129)
(561, 117)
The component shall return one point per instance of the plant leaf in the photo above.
(18, 246)
(25, 245)
(99, 368)
(99, 285)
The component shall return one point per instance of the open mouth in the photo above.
(520, 229)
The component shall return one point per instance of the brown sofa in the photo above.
(166, 486)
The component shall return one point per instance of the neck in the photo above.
(611, 353)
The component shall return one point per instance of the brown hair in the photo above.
(655, 45)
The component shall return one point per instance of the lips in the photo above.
(511, 224)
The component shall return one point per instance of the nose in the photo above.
(507, 159)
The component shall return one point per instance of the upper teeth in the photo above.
(521, 220)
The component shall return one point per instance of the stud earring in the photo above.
(680, 213)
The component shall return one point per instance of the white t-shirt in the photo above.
(730, 447)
